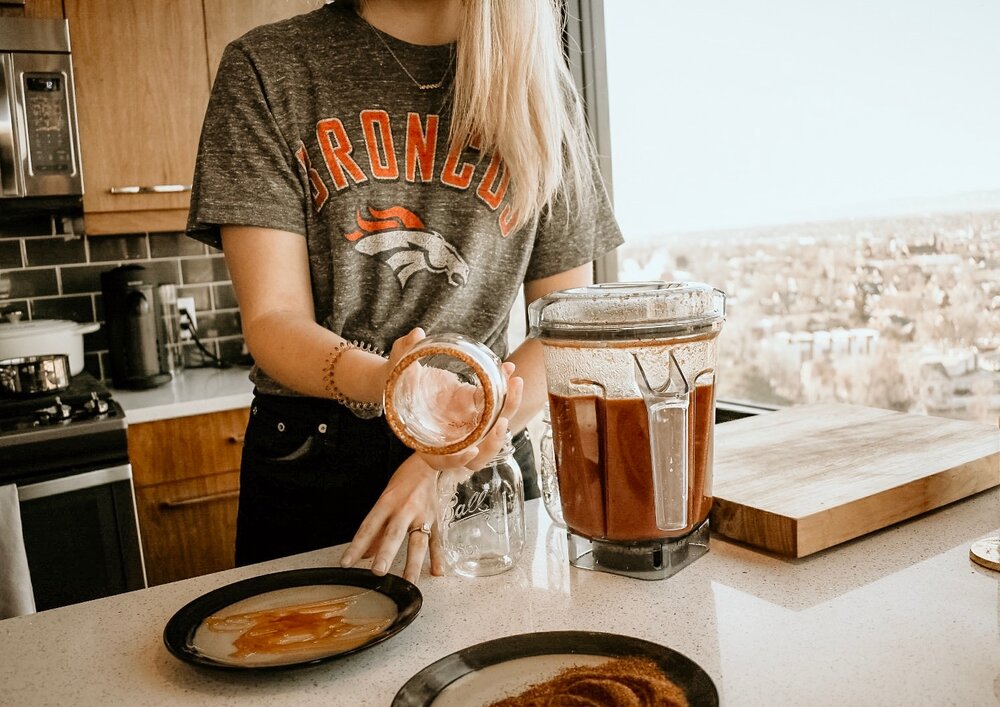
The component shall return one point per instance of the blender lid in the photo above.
(628, 310)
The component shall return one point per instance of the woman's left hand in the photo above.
(406, 507)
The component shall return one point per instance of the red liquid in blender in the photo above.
(605, 470)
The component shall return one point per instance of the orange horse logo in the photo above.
(399, 238)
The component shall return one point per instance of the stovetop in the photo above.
(84, 388)
(75, 429)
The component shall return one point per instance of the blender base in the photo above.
(649, 559)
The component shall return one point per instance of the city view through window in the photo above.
(899, 313)
(835, 168)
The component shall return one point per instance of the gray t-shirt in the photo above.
(314, 128)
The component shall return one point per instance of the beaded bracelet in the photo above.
(364, 410)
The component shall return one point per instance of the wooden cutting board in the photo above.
(803, 479)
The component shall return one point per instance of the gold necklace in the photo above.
(421, 86)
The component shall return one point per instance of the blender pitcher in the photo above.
(630, 370)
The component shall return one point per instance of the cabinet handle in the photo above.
(198, 500)
(237, 439)
(152, 189)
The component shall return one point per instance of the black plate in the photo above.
(463, 677)
(180, 630)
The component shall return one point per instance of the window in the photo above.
(834, 166)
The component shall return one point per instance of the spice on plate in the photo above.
(622, 682)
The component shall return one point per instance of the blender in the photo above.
(630, 370)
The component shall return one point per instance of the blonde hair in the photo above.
(514, 90)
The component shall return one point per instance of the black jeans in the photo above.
(311, 471)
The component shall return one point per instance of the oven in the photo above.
(67, 453)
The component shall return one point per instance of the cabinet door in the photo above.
(142, 86)
(186, 447)
(188, 528)
(226, 20)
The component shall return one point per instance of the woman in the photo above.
(350, 170)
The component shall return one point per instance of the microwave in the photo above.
(39, 140)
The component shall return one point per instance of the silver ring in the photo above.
(425, 529)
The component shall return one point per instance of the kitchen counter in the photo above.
(194, 391)
(899, 617)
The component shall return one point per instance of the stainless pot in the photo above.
(34, 374)
(42, 337)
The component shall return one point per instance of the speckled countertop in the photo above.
(193, 391)
(900, 617)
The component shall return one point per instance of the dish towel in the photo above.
(16, 597)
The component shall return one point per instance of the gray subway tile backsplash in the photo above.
(201, 294)
(172, 245)
(96, 340)
(216, 324)
(105, 248)
(164, 272)
(27, 283)
(225, 297)
(55, 250)
(77, 308)
(26, 225)
(60, 278)
(210, 269)
(10, 254)
(82, 278)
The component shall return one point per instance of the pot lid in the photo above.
(628, 310)
(36, 327)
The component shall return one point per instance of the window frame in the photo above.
(586, 52)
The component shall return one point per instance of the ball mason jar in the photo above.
(481, 519)
(548, 478)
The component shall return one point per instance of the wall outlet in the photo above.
(188, 317)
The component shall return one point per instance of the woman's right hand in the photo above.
(400, 347)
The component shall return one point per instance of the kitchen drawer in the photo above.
(188, 528)
(186, 447)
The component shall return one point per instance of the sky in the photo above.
(728, 113)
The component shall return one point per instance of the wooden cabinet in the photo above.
(186, 476)
(143, 74)
(226, 20)
(188, 527)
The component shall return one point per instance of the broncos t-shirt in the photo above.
(314, 127)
